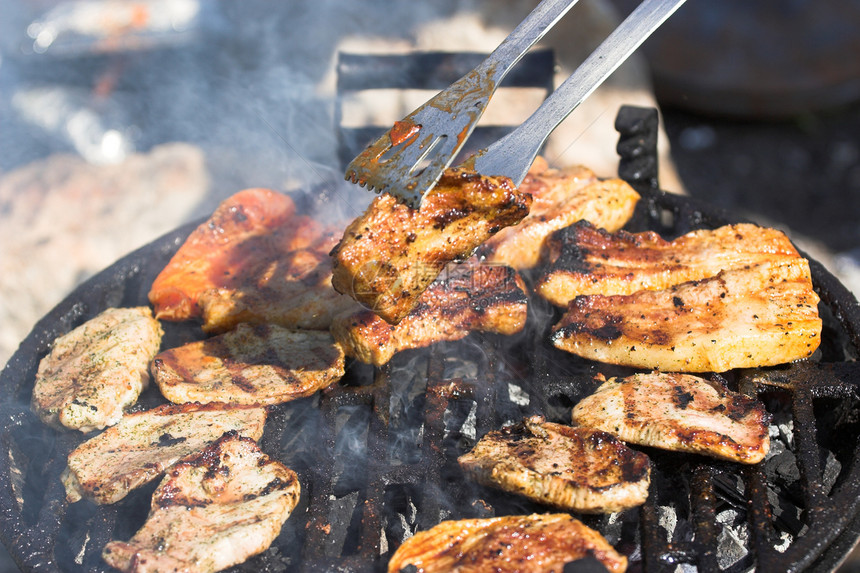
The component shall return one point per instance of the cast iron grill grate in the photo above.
(376, 453)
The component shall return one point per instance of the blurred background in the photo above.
(122, 119)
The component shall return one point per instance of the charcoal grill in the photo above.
(376, 453)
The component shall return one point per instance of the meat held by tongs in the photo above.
(389, 255)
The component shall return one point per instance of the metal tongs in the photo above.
(409, 158)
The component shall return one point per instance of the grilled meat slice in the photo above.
(465, 298)
(218, 250)
(588, 260)
(254, 260)
(760, 315)
(97, 370)
(211, 511)
(144, 444)
(514, 543)
(561, 197)
(574, 468)
(392, 253)
(290, 287)
(253, 364)
(679, 412)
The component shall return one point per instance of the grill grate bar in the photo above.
(433, 449)
(659, 554)
(805, 432)
(760, 515)
(704, 518)
(369, 539)
(317, 541)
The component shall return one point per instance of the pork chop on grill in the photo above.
(465, 298)
(679, 412)
(290, 287)
(389, 255)
(252, 364)
(144, 444)
(588, 260)
(574, 468)
(561, 197)
(218, 250)
(254, 260)
(213, 510)
(758, 315)
(97, 370)
(509, 544)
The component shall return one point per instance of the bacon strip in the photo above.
(588, 260)
(761, 315)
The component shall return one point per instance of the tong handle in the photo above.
(524, 36)
(513, 154)
(408, 159)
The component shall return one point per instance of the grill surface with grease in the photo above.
(377, 453)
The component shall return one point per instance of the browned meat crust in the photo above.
(760, 315)
(97, 370)
(588, 260)
(574, 468)
(561, 197)
(679, 412)
(509, 544)
(212, 510)
(465, 298)
(392, 253)
(144, 444)
(253, 364)
(254, 260)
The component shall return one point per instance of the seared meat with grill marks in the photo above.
(254, 260)
(144, 444)
(392, 253)
(760, 315)
(97, 370)
(588, 260)
(211, 511)
(574, 468)
(465, 298)
(679, 412)
(561, 197)
(509, 544)
(253, 364)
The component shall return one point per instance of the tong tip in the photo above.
(353, 177)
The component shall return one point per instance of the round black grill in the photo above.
(376, 453)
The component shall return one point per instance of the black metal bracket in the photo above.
(637, 146)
